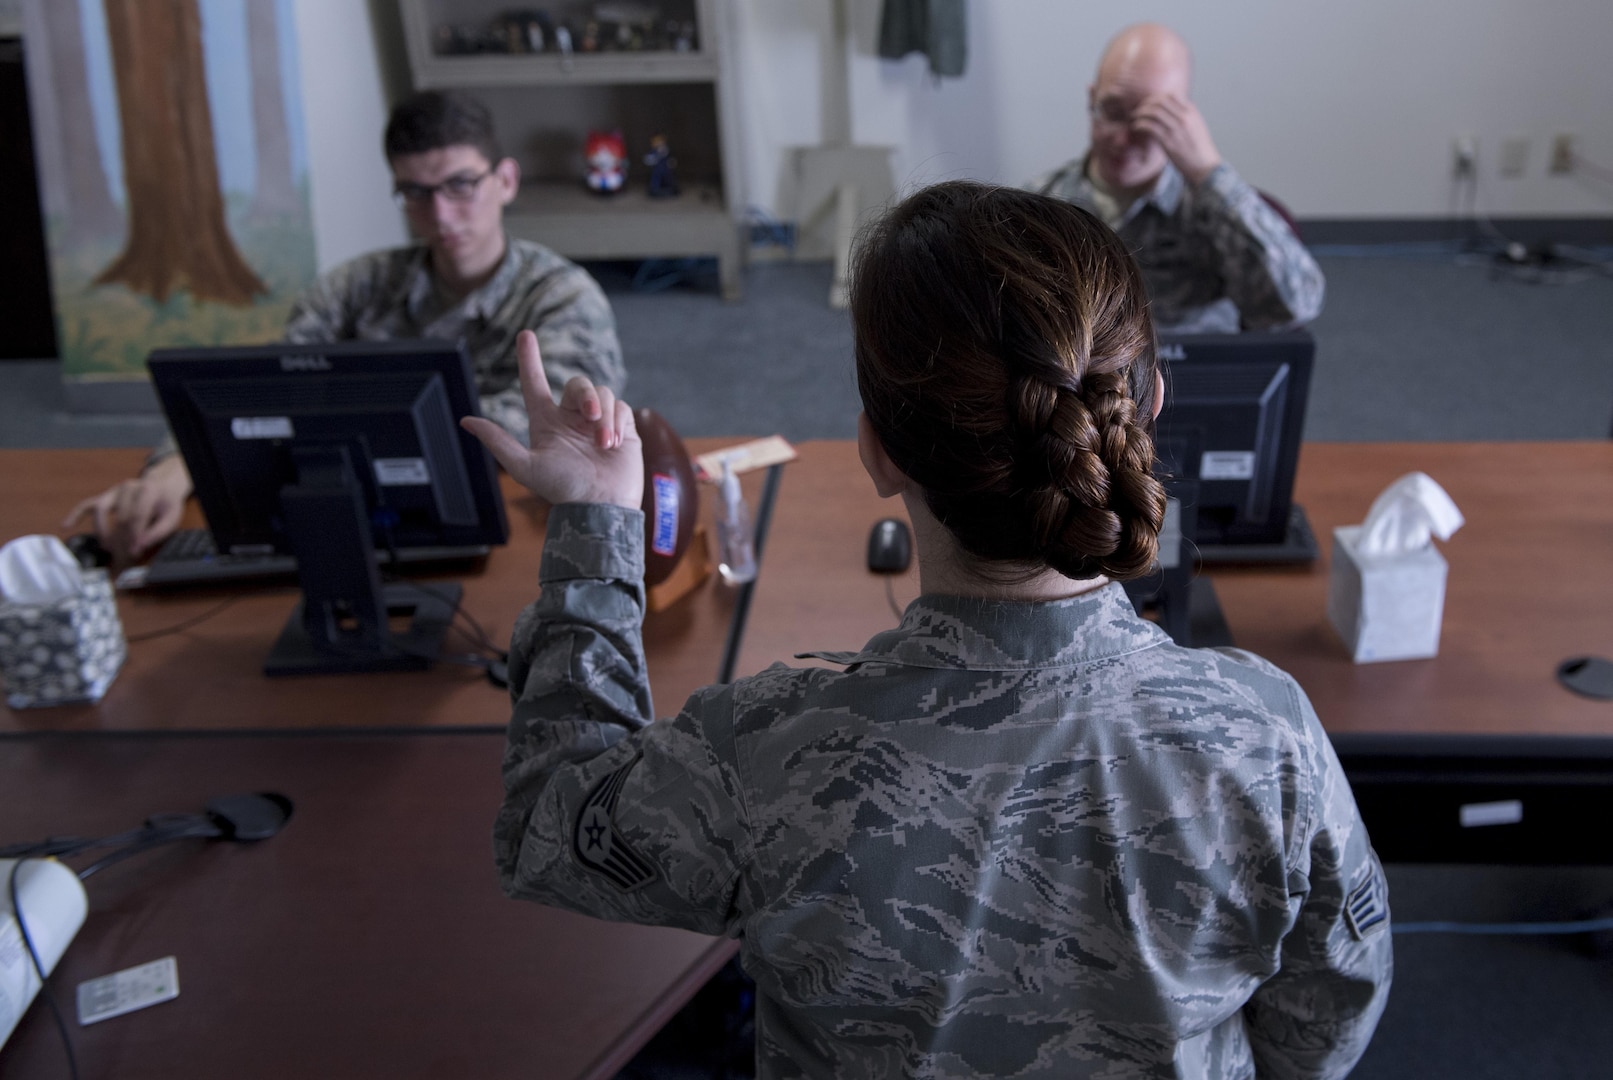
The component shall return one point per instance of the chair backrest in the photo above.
(1282, 212)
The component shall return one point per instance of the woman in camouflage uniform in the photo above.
(1022, 834)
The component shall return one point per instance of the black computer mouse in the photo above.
(890, 546)
(88, 550)
(1588, 675)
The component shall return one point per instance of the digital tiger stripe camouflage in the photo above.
(1009, 839)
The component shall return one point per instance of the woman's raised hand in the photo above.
(585, 449)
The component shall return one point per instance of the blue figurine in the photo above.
(663, 177)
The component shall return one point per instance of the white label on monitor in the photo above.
(1479, 814)
(1227, 465)
(401, 472)
(261, 427)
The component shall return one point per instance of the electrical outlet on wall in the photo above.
(1514, 156)
(1465, 157)
(1562, 154)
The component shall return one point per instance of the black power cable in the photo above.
(243, 817)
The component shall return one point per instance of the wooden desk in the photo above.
(1531, 583)
(210, 677)
(368, 939)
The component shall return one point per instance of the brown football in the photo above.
(671, 500)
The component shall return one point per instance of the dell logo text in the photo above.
(304, 363)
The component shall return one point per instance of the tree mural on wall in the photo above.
(81, 194)
(276, 191)
(177, 235)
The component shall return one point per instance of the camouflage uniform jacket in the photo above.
(1215, 258)
(391, 295)
(1009, 839)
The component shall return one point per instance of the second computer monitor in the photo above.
(331, 453)
(1233, 421)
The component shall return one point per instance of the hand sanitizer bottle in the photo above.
(736, 560)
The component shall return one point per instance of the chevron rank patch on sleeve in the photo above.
(600, 846)
(1364, 908)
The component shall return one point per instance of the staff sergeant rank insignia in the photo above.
(598, 844)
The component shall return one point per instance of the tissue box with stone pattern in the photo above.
(52, 654)
(1386, 607)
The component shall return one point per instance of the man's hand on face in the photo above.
(585, 449)
(1177, 125)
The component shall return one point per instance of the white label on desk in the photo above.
(401, 472)
(1227, 465)
(1477, 815)
(127, 990)
(261, 427)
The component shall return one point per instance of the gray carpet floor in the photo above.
(1407, 349)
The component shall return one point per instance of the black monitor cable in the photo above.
(184, 624)
(488, 657)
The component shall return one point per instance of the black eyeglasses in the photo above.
(459, 188)
(1111, 111)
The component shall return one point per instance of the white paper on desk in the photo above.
(38, 570)
(1405, 517)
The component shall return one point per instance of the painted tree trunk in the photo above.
(276, 195)
(81, 193)
(178, 238)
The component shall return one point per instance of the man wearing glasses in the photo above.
(1215, 256)
(466, 279)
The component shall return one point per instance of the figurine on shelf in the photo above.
(663, 168)
(525, 30)
(606, 155)
(590, 38)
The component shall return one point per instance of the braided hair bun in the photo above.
(1006, 361)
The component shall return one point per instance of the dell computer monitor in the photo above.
(330, 453)
(1232, 423)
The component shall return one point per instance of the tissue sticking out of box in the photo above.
(38, 570)
(1403, 518)
(1386, 590)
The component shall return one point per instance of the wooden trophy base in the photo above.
(690, 573)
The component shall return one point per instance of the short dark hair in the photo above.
(434, 119)
(1006, 361)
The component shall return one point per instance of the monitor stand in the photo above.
(1297, 547)
(345, 621)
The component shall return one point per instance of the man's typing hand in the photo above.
(133, 516)
(1178, 126)
(585, 449)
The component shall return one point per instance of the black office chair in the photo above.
(1282, 212)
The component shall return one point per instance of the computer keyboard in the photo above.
(189, 557)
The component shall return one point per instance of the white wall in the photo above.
(1341, 109)
(344, 111)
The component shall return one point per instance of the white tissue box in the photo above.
(1386, 607)
(53, 654)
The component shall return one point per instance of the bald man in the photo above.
(1214, 255)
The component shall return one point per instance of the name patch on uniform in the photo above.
(1365, 907)
(664, 540)
(598, 844)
